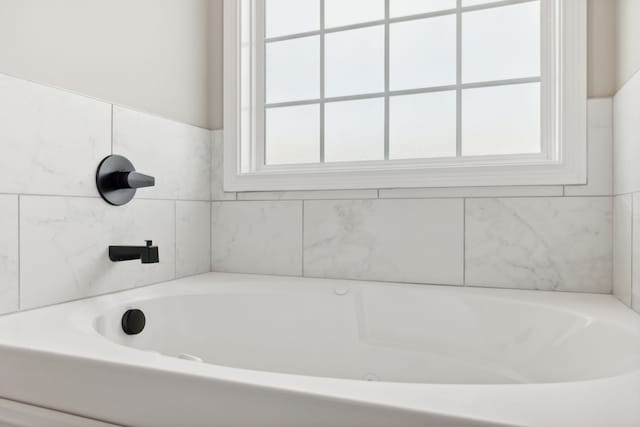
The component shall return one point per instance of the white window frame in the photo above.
(563, 159)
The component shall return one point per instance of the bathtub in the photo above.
(241, 350)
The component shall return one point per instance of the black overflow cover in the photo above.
(133, 321)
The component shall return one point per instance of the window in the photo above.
(330, 94)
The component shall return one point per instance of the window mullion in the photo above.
(322, 60)
(386, 78)
(458, 78)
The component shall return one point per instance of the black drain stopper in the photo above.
(133, 321)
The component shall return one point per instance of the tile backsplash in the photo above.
(182, 153)
(561, 243)
(63, 246)
(257, 237)
(50, 141)
(417, 241)
(54, 227)
(9, 291)
(535, 237)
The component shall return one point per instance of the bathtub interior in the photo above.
(394, 333)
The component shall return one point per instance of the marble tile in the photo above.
(635, 253)
(419, 241)
(217, 168)
(626, 147)
(64, 246)
(9, 293)
(560, 244)
(458, 192)
(310, 195)
(193, 238)
(178, 155)
(257, 237)
(600, 151)
(51, 141)
(622, 241)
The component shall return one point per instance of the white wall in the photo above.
(165, 56)
(628, 40)
(215, 64)
(602, 47)
(151, 55)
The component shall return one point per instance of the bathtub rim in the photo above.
(403, 396)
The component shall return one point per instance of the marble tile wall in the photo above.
(257, 237)
(626, 245)
(546, 237)
(54, 227)
(549, 244)
(417, 241)
(9, 290)
(55, 230)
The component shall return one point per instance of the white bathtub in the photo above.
(302, 352)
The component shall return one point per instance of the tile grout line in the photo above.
(303, 219)
(19, 256)
(77, 196)
(272, 199)
(632, 254)
(211, 236)
(443, 197)
(175, 239)
(464, 242)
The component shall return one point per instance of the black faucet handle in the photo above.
(149, 243)
(118, 181)
(134, 180)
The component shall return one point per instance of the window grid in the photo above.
(387, 15)
(458, 78)
(388, 93)
(322, 98)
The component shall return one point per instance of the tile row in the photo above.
(51, 142)
(54, 249)
(545, 243)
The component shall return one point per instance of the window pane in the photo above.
(501, 120)
(354, 62)
(416, 7)
(338, 13)
(423, 53)
(501, 43)
(423, 126)
(285, 17)
(293, 70)
(354, 130)
(293, 135)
